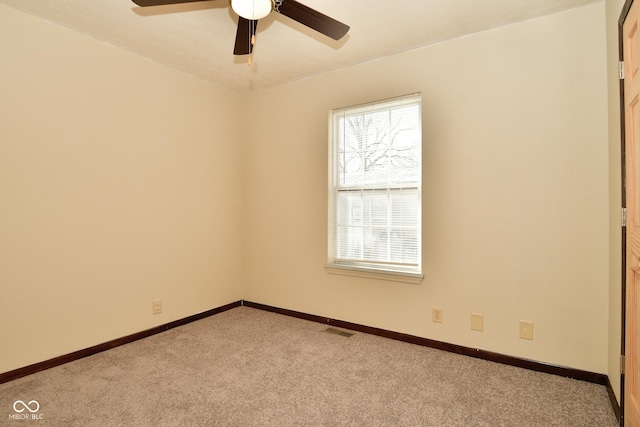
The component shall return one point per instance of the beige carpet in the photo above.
(247, 367)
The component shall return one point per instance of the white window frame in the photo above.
(361, 268)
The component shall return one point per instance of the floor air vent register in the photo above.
(335, 331)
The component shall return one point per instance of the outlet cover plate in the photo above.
(157, 306)
(526, 330)
(477, 321)
(436, 314)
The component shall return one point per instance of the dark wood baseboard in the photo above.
(614, 401)
(453, 348)
(60, 360)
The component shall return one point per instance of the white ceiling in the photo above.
(198, 38)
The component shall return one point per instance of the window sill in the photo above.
(374, 273)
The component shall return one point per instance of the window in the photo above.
(375, 175)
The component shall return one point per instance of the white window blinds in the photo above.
(375, 184)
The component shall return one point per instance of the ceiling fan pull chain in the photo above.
(252, 40)
(277, 4)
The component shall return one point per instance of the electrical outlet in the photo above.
(157, 306)
(436, 314)
(477, 321)
(526, 330)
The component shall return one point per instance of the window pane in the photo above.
(380, 147)
(379, 206)
(351, 239)
(377, 152)
(376, 244)
(404, 245)
(404, 208)
(379, 225)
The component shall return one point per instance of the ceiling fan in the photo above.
(250, 11)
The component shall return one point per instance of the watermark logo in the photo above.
(26, 411)
(20, 404)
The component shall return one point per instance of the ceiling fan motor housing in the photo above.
(252, 9)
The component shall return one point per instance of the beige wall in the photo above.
(516, 191)
(613, 10)
(118, 184)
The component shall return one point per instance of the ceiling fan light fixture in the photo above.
(252, 9)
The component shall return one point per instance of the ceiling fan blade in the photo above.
(145, 3)
(313, 19)
(246, 29)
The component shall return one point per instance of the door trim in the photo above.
(621, 19)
